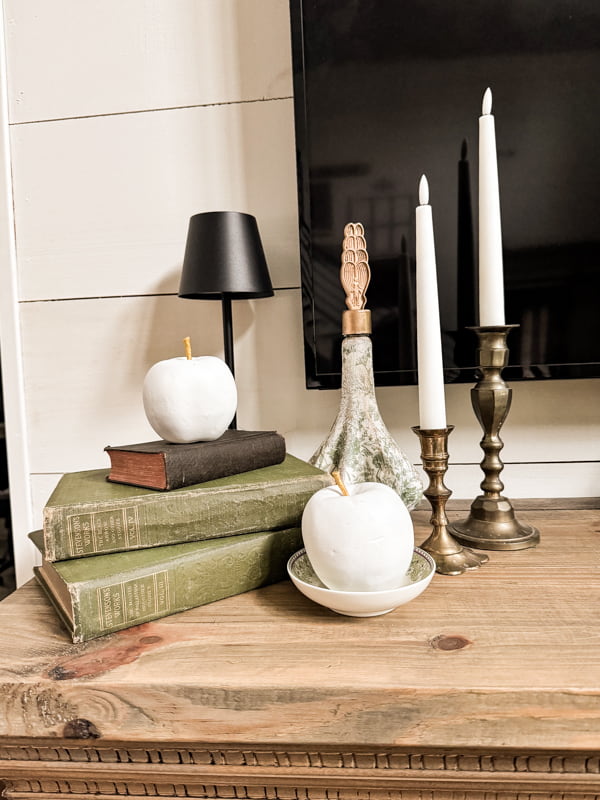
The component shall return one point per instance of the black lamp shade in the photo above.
(224, 257)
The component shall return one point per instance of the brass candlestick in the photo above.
(450, 557)
(491, 524)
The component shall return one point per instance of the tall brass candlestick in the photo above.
(491, 524)
(450, 557)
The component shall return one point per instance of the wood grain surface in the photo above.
(506, 656)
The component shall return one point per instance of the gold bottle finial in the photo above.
(355, 275)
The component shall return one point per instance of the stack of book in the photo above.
(117, 553)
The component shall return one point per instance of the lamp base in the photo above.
(492, 525)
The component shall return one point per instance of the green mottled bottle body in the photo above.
(359, 444)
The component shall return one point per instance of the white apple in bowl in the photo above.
(362, 541)
(189, 399)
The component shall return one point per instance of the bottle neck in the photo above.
(357, 365)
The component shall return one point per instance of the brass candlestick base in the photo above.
(491, 524)
(450, 557)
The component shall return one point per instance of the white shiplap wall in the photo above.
(125, 117)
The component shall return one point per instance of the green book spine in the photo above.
(88, 515)
(102, 594)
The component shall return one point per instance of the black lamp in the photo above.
(224, 260)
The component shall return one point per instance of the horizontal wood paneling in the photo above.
(84, 366)
(72, 59)
(548, 420)
(529, 479)
(85, 361)
(102, 205)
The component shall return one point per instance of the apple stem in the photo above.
(338, 479)
(188, 348)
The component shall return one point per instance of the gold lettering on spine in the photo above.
(134, 601)
(108, 530)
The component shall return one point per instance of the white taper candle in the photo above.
(491, 279)
(432, 406)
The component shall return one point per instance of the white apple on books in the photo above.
(189, 399)
(361, 541)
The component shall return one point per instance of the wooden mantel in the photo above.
(486, 686)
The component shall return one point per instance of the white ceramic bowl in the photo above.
(362, 604)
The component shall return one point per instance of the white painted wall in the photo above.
(123, 118)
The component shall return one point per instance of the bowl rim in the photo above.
(428, 558)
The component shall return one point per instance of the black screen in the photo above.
(386, 90)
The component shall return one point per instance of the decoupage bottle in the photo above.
(359, 445)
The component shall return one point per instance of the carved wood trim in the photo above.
(324, 758)
(113, 790)
(269, 773)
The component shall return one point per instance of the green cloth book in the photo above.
(102, 594)
(88, 515)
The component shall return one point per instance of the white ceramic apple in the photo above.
(360, 542)
(189, 399)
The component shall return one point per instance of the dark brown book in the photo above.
(162, 465)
